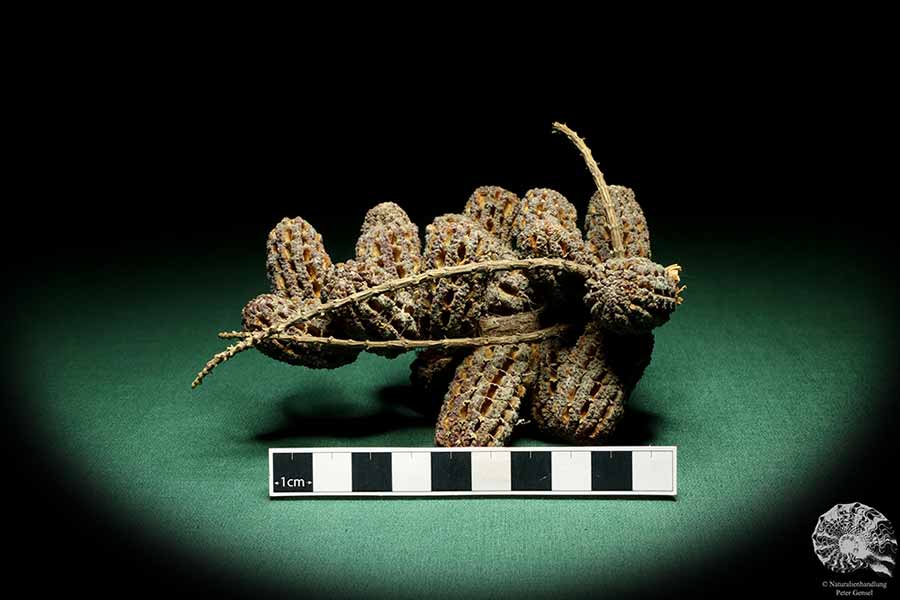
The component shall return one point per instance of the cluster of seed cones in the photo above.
(522, 316)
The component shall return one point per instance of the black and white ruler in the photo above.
(542, 471)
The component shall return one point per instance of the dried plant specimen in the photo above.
(539, 203)
(453, 305)
(495, 209)
(597, 229)
(390, 241)
(632, 295)
(482, 404)
(509, 293)
(297, 260)
(509, 302)
(269, 309)
(383, 317)
(547, 237)
(579, 398)
(388, 248)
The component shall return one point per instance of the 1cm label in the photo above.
(296, 482)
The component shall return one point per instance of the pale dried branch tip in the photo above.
(673, 272)
(612, 217)
(404, 344)
(390, 286)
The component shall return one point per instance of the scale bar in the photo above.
(540, 471)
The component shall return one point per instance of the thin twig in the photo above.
(405, 344)
(612, 217)
(390, 286)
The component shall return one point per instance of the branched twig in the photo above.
(390, 286)
(405, 344)
(612, 217)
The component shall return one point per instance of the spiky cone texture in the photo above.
(546, 227)
(389, 240)
(631, 295)
(454, 305)
(539, 203)
(269, 309)
(296, 262)
(578, 397)
(382, 317)
(482, 404)
(635, 234)
(388, 248)
(495, 209)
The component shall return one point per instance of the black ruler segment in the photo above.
(371, 472)
(451, 471)
(294, 472)
(611, 471)
(531, 471)
(577, 471)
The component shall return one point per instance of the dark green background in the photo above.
(153, 174)
(771, 379)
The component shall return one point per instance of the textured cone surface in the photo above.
(509, 292)
(635, 234)
(296, 261)
(388, 248)
(578, 397)
(270, 309)
(494, 208)
(386, 213)
(389, 241)
(383, 317)
(546, 237)
(454, 305)
(540, 203)
(631, 295)
(482, 404)
(539, 233)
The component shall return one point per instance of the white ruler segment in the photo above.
(528, 471)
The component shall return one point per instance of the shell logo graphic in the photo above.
(854, 536)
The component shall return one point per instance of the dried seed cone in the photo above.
(383, 317)
(546, 237)
(578, 398)
(482, 405)
(296, 261)
(631, 295)
(454, 305)
(546, 227)
(270, 309)
(509, 292)
(495, 209)
(539, 203)
(390, 241)
(635, 234)
(539, 234)
(388, 248)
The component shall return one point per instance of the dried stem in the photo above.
(612, 217)
(404, 344)
(390, 286)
